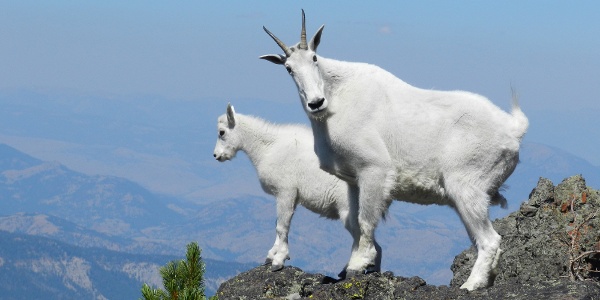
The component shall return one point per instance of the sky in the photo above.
(208, 51)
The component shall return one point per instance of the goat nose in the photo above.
(316, 104)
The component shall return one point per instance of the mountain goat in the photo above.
(396, 141)
(288, 168)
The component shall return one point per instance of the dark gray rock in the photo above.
(542, 193)
(262, 283)
(539, 241)
(293, 283)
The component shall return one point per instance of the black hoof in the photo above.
(268, 261)
(275, 268)
(353, 273)
(372, 269)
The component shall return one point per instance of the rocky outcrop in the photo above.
(551, 250)
(293, 283)
(541, 240)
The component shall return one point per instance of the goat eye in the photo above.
(221, 132)
(314, 58)
(289, 69)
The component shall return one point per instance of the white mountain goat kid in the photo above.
(395, 141)
(288, 168)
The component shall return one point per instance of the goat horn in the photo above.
(283, 47)
(303, 44)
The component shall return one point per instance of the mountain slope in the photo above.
(40, 268)
(33, 267)
(47, 200)
(107, 205)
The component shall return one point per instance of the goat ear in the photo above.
(316, 39)
(274, 58)
(230, 115)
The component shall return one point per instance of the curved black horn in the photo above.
(303, 44)
(283, 47)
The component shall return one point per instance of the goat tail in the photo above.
(519, 120)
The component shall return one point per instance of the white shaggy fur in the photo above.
(396, 141)
(288, 169)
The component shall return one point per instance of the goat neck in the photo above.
(257, 136)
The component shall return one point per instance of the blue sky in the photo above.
(208, 51)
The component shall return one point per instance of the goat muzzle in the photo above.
(315, 105)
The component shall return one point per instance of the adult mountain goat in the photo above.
(288, 168)
(391, 140)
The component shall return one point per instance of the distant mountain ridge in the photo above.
(61, 230)
(71, 220)
(109, 205)
(33, 267)
(13, 159)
